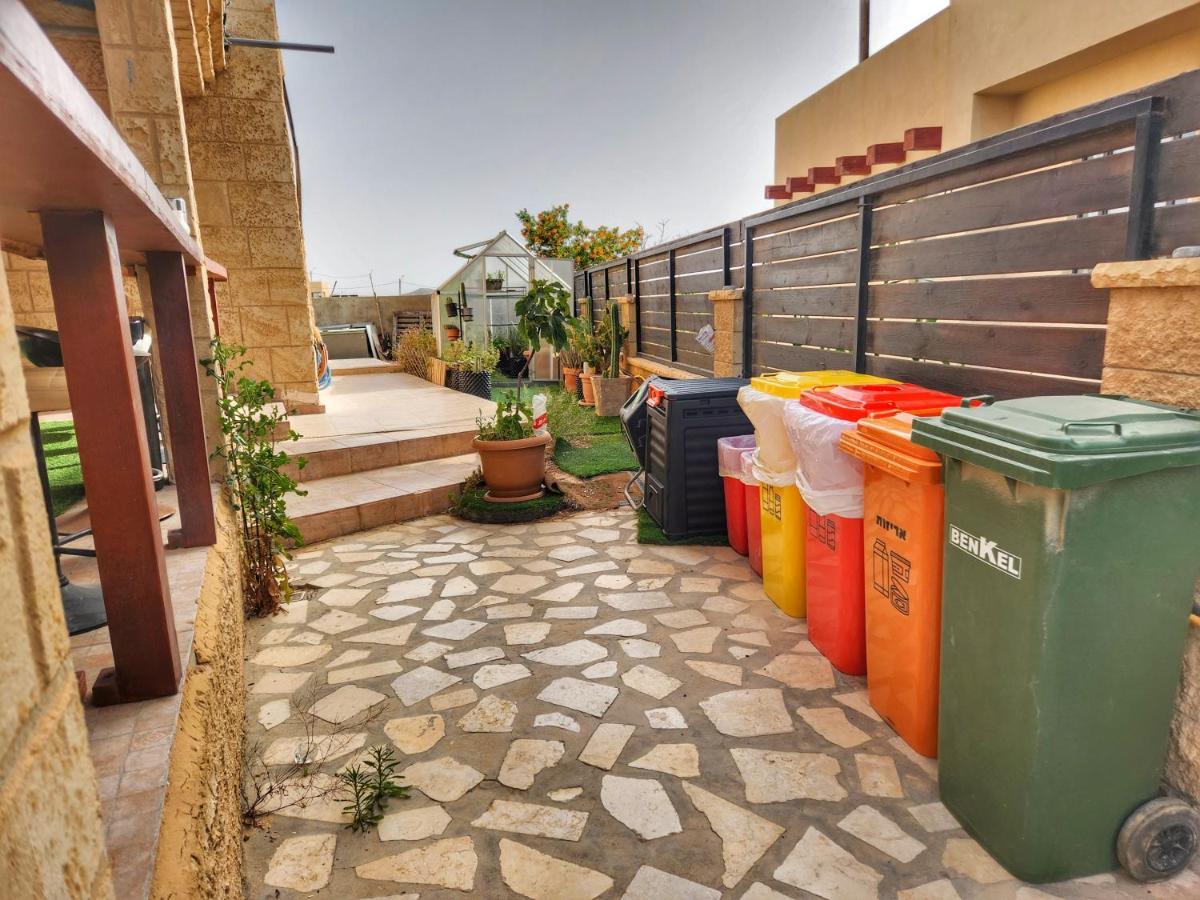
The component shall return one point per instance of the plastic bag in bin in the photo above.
(765, 412)
(729, 455)
(830, 480)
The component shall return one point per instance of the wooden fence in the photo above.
(967, 271)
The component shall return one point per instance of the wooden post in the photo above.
(93, 322)
(181, 387)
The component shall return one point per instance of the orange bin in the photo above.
(832, 482)
(902, 537)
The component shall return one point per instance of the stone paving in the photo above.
(580, 716)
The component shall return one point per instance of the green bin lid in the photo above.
(1065, 442)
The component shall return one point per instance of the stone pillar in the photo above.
(727, 323)
(1152, 352)
(627, 312)
(51, 832)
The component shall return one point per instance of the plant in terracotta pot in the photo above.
(570, 359)
(511, 455)
(542, 317)
(610, 386)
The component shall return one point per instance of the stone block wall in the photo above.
(51, 839)
(1152, 351)
(245, 184)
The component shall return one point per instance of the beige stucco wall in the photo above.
(200, 844)
(245, 182)
(980, 67)
(377, 310)
(51, 835)
(1153, 351)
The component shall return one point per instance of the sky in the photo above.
(436, 120)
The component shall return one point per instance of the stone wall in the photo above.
(200, 844)
(51, 836)
(377, 310)
(1152, 351)
(245, 185)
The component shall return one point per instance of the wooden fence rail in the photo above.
(967, 271)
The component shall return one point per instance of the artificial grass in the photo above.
(648, 532)
(601, 455)
(62, 464)
(472, 506)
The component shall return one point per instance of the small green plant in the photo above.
(543, 314)
(616, 337)
(479, 359)
(455, 352)
(254, 476)
(371, 786)
(511, 422)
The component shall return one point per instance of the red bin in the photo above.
(729, 467)
(831, 482)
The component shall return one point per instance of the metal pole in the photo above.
(864, 29)
(231, 41)
(671, 283)
(1147, 141)
(748, 301)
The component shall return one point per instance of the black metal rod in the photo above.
(1147, 142)
(866, 207)
(231, 41)
(671, 288)
(637, 304)
(726, 239)
(748, 301)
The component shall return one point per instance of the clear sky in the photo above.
(437, 119)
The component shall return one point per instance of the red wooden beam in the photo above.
(929, 138)
(885, 153)
(777, 192)
(93, 323)
(823, 175)
(799, 185)
(851, 165)
(181, 390)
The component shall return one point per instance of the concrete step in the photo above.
(344, 504)
(348, 454)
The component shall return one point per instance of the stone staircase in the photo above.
(361, 481)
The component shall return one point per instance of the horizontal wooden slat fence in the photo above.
(966, 272)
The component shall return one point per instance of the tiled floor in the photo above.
(130, 743)
(579, 716)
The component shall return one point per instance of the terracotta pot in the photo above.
(453, 333)
(570, 379)
(589, 397)
(513, 470)
(611, 394)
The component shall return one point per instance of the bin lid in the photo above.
(886, 443)
(680, 388)
(857, 401)
(793, 384)
(1066, 442)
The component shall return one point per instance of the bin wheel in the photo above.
(1159, 839)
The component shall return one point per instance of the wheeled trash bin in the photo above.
(1072, 551)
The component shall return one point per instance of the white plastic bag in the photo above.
(747, 468)
(765, 412)
(773, 477)
(830, 481)
(540, 418)
(729, 454)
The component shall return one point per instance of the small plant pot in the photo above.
(494, 284)
(478, 384)
(589, 395)
(513, 470)
(611, 394)
(570, 379)
(453, 332)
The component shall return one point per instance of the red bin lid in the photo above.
(854, 402)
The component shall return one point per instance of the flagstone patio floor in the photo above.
(580, 716)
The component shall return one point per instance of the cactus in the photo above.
(615, 338)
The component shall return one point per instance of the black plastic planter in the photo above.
(477, 383)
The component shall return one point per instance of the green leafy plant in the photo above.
(512, 422)
(543, 313)
(479, 359)
(254, 475)
(455, 352)
(371, 786)
(579, 333)
(552, 233)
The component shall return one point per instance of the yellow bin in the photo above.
(782, 512)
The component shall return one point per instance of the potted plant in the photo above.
(512, 352)
(570, 359)
(543, 313)
(610, 386)
(511, 455)
(452, 357)
(475, 370)
(494, 282)
(593, 348)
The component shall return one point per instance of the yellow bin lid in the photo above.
(793, 384)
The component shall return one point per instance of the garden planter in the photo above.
(494, 284)
(611, 393)
(570, 379)
(437, 370)
(453, 332)
(452, 377)
(589, 396)
(513, 470)
(478, 384)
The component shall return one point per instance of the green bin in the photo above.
(1072, 551)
